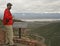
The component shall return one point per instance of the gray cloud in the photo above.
(33, 5)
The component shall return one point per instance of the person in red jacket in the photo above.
(8, 22)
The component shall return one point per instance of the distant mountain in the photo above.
(1, 15)
(37, 15)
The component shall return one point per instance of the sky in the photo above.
(32, 6)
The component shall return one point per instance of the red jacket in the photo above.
(7, 18)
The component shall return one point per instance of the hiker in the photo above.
(8, 23)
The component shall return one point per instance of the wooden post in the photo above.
(19, 32)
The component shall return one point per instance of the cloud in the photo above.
(32, 5)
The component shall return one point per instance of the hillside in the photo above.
(51, 32)
(49, 29)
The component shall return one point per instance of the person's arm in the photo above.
(7, 16)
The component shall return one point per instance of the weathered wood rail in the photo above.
(18, 27)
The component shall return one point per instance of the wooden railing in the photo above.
(15, 20)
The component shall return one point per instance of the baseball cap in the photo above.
(9, 4)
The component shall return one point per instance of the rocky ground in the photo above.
(17, 44)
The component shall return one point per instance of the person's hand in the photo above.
(7, 20)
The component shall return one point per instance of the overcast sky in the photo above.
(35, 6)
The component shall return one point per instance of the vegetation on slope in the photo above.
(49, 32)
